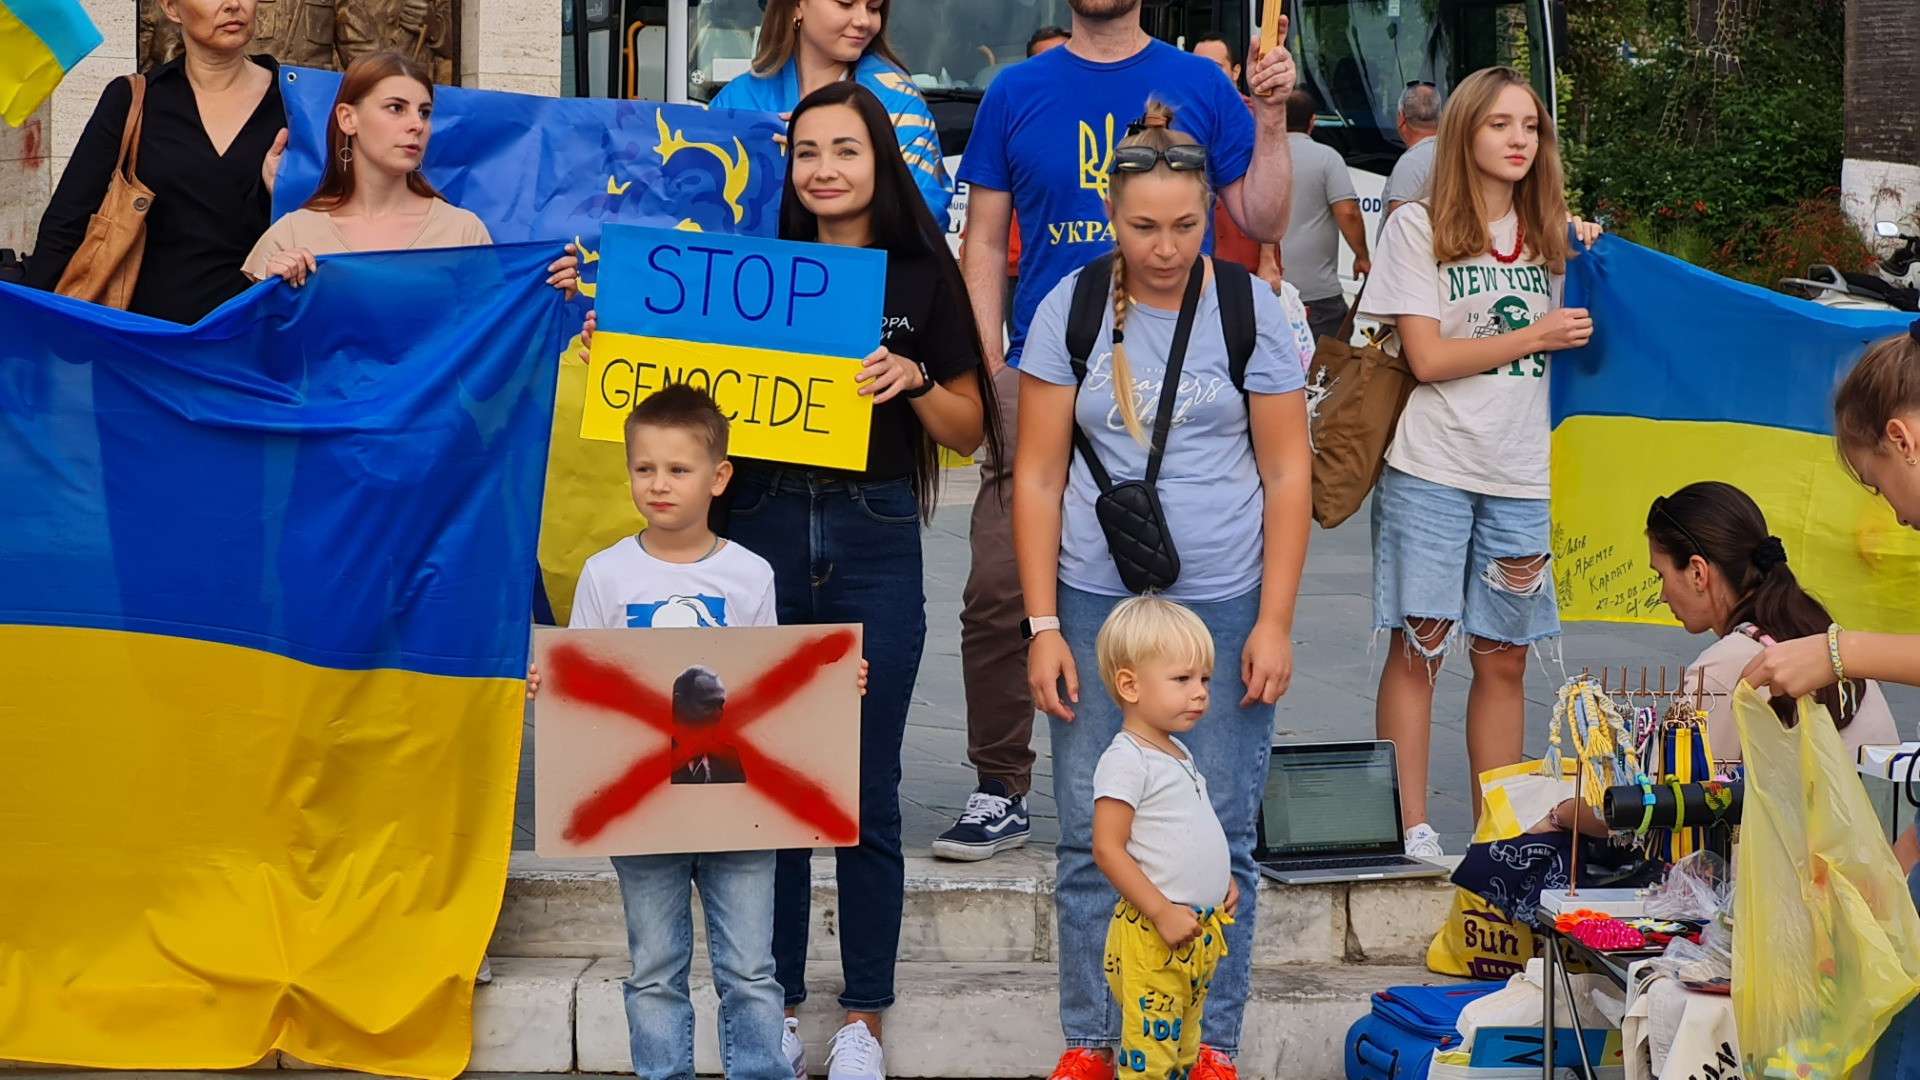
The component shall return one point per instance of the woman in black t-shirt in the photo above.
(845, 547)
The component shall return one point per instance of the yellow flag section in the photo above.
(1845, 545)
(258, 746)
(779, 406)
(1690, 377)
(223, 883)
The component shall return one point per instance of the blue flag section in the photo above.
(264, 587)
(1692, 376)
(540, 168)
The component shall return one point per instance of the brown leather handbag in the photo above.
(107, 263)
(1362, 389)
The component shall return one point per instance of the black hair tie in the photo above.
(1769, 554)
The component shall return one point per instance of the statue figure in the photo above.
(327, 34)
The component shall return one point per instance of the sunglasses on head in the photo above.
(1660, 508)
(1186, 157)
(1411, 83)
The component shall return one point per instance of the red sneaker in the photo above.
(1213, 1065)
(1082, 1064)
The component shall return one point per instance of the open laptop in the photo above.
(1331, 813)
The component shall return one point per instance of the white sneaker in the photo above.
(795, 1050)
(1423, 842)
(855, 1055)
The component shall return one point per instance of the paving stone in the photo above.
(1393, 922)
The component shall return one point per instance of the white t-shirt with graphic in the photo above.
(1176, 838)
(1485, 433)
(624, 586)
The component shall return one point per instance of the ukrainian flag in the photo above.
(40, 41)
(264, 593)
(1692, 376)
(534, 167)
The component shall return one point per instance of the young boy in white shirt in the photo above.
(1156, 838)
(676, 572)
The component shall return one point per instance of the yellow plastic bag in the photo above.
(1477, 941)
(1825, 933)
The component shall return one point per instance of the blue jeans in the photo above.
(847, 552)
(736, 892)
(1230, 747)
(1435, 555)
(1897, 1055)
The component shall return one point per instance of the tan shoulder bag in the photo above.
(107, 263)
(1359, 393)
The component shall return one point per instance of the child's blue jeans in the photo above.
(736, 892)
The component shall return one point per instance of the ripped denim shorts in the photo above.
(1479, 562)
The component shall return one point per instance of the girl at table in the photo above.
(845, 545)
(372, 195)
(808, 44)
(1876, 422)
(1721, 572)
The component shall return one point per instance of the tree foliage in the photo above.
(1706, 118)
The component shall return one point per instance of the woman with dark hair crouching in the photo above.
(1722, 572)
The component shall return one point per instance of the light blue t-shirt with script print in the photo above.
(1046, 131)
(1209, 483)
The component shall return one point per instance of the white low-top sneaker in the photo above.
(795, 1050)
(1423, 842)
(855, 1055)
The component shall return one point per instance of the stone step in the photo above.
(963, 1021)
(994, 912)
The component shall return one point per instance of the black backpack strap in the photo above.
(1233, 283)
(1092, 291)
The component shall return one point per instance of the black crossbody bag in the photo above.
(1129, 511)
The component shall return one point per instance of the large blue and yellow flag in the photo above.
(264, 593)
(40, 41)
(1691, 376)
(534, 168)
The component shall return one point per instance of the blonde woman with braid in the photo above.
(1233, 485)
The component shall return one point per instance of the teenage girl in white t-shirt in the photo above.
(1471, 283)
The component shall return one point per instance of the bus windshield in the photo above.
(1358, 56)
(956, 47)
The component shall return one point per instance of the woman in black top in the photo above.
(845, 547)
(213, 117)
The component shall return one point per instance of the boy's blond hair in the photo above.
(1147, 628)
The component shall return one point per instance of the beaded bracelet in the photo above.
(1833, 652)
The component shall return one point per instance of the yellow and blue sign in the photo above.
(775, 330)
(547, 168)
(264, 592)
(1691, 376)
(40, 41)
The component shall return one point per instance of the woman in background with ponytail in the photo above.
(1720, 571)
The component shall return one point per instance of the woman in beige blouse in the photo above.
(372, 196)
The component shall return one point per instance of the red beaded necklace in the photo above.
(1519, 243)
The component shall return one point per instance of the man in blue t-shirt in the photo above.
(1041, 145)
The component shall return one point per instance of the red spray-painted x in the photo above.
(592, 682)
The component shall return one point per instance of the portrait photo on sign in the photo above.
(696, 738)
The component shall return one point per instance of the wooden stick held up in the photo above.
(1269, 32)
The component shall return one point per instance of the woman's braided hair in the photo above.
(1155, 130)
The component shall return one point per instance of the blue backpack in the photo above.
(1408, 1025)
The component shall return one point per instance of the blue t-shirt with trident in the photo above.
(1046, 132)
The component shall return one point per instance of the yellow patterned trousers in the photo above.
(1161, 991)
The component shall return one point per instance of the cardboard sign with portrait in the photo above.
(660, 741)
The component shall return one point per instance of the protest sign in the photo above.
(775, 330)
(658, 741)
